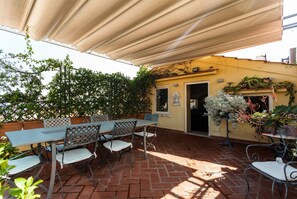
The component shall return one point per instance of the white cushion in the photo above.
(74, 155)
(23, 164)
(276, 170)
(117, 145)
(148, 134)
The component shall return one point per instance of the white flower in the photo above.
(222, 104)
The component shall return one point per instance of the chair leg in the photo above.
(280, 189)
(92, 175)
(286, 191)
(131, 159)
(246, 180)
(62, 190)
(272, 189)
(260, 182)
(110, 168)
(150, 144)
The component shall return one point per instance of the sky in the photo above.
(275, 51)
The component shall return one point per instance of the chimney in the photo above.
(261, 57)
(293, 56)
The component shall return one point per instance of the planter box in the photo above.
(80, 120)
(33, 124)
(12, 126)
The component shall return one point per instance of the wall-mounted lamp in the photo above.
(195, 69)
(221, 80)
(175, 85)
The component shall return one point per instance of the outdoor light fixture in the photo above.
(175, 85)
(195, 69)
(221, 80)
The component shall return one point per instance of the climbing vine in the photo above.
(256, 83)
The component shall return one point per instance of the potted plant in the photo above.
(283, 119)
(225, 106)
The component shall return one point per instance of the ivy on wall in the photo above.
(257, 83)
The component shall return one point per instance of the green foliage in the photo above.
(60, 95)
(25, 188)
(8, 151)
(72, 92)
(290, 90)
(79, 92)
(282, 115)
(140, 90)
(256, 83)
(21, 84)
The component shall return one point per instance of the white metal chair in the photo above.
(74, 151)
(279, 172)
(101, 118)
(151, 131)
(120, 130)
(56, 122)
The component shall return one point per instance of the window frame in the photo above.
(162, 112)
(270, 100)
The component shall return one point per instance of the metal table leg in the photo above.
(144, 142)
(53, 171)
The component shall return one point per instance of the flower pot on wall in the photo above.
(12, 126)
(33, 124)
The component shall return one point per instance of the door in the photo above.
(197, 121)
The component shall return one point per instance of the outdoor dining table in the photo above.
(51, 135)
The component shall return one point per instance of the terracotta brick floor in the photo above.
(183, 166)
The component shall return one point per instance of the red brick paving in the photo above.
(183, 167)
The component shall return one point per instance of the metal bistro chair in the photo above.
(101, 118)
(120, 130)
(56, 122)
(281, 173)
(74, 151)
(24, 162)
(151, 131)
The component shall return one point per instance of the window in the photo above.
(260, 103)
(162, 100)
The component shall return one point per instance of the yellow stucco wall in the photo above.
(231, 70)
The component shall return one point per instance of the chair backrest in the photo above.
(151, 117)
(123, 128)
(56, 122)
(98, 118)
(80, 135)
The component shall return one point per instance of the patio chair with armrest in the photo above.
(101, 118)
(24, 162)
(151, 131)
(277, 170)
(77, 138)
(56, 122)
(117, 144)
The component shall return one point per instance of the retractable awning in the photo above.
(148, 32)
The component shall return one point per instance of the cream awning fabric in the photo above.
(150, 32)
